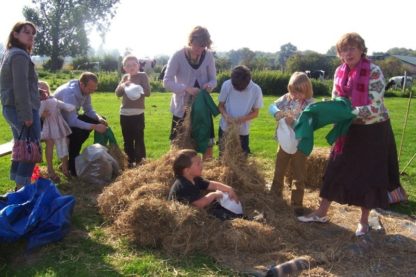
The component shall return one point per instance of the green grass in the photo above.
(88, 251)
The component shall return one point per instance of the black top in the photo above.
(184, 191)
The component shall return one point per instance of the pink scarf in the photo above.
(353, 83)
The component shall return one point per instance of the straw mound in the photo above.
(121, 157)
(315, 168)
(136, 207)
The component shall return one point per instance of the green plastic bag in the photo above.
(106, 138)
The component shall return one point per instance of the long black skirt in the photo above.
(366, 169)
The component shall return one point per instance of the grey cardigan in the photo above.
(19, 83)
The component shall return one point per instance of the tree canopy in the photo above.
(63, 25)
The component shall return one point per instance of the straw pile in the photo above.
(315, 168)
(118, 155)
(135, 206)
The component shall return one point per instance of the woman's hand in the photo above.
(28, 123)
(192, 90)
(208, 87)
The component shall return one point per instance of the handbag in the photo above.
(397, 195)
(26, 149)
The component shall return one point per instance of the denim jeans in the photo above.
(21, 172)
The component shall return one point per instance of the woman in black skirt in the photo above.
(363, 165)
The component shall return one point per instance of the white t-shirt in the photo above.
(240, 103)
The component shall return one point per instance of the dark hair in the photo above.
(183, 160)
(14, 42)
(240, 77)
(88, 76)
(200, 36)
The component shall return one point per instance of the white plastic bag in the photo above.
(286, 137)
(230, 204)
(95, 165)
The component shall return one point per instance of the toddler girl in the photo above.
(54, 130)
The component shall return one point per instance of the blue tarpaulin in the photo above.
(37, 212)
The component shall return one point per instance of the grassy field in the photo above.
(89, 251)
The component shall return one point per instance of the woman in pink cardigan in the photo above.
(189, 70)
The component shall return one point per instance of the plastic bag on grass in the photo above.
(96, 166)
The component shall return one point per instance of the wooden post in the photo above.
(407, 113)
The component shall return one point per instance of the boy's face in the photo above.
(195, 170)
(131, 67)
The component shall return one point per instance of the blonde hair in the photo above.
(130, 57)
(300, 82)
(45, 84)
(351, 39)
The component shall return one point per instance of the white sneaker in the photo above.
(313, 218)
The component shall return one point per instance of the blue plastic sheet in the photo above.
(37, 212)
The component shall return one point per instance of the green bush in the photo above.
(108, 81)
(274, 82)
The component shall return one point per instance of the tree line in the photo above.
(63, 27)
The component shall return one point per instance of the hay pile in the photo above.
(135, 206)
(315, 168)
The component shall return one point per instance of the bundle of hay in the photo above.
(315, 168)
(183, 138)
(121, 157)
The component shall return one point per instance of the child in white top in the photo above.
(54, 130)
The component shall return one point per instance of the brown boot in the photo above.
(297, 197)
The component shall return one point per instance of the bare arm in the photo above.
(224, 188)
(207, 199)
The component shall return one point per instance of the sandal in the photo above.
(362, 229)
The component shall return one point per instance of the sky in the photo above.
(161, 27)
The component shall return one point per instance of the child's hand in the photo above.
(289, 120)
(233, 195)
(45, 114)
(126, 83)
